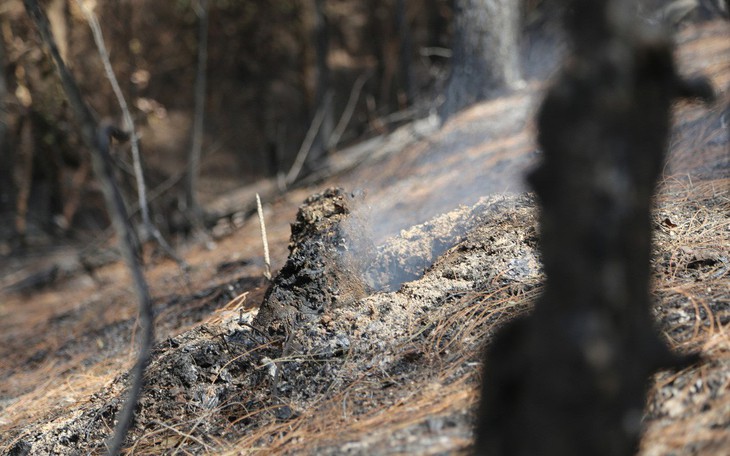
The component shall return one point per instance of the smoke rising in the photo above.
(483, 151)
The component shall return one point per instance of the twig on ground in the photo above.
(262, 225)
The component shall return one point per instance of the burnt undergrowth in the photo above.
(247, 370)
(394, 363)
(394, 371)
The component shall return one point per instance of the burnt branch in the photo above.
(571, 379)
(97, 139)
(196, 149)
(149, 227)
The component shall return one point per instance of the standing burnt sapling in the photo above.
(571, 378)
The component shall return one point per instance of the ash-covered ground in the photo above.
(369, 338)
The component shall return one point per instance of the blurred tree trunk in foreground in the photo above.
(571, 378)
(485, 56)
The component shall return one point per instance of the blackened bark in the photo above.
(571, 379)
(196, 149)
(318, 273)
(6, 155)
(404, 32)
(318, 154)
(485, 56)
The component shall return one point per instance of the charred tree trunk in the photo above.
(572, 378)
(6, 158)
(196, 149)
(485, 58)
(322, 102)
(403, 28)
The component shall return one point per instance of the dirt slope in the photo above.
(396, 371)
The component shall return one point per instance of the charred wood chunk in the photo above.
(571, 379)
(318, 273)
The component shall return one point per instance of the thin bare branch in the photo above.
(128, 126)
(308, 140)
(127, 116)
(98, 139)
(348, 111)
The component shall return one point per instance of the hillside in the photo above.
(439, 221)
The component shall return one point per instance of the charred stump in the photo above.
(571, 379)
(318, 273)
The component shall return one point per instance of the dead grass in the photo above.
(372, 407)
(679, 420)
(689, 411)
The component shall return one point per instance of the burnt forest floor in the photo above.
(446, 238)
